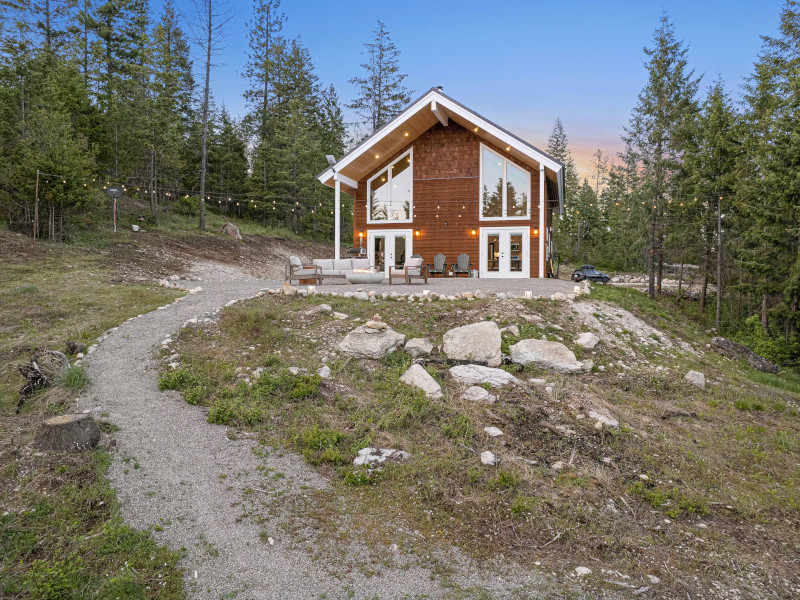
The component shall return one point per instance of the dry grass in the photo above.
(707, 463)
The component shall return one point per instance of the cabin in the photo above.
(441, 179)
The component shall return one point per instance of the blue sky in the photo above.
(520, 64)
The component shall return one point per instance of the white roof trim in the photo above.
(454, 107)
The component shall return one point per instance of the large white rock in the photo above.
(545, 355)
(419, 347)
(696, 378)
(478, 374)
(603, 418)
(479, 342)
(378, 456)
(418, 377)
(588, 340)
(364, 342)
(493, 431)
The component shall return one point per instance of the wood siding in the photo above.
(446, 173)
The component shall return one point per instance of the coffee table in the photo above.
(362, 278)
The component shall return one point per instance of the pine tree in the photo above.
(658, 129)
(564, 225)
(768, 190)
(381, 93)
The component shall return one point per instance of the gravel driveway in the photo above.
(185, 478)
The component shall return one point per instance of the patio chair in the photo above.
(439, 266)
(295, 269)
(463, 266)
(412, 269)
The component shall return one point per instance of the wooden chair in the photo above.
(439, 266)
(463, 266)
(295, 269)
(412, 269)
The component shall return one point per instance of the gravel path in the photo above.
(175, 472)
(454, 285)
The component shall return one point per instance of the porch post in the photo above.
(542, 224)
(337, 216)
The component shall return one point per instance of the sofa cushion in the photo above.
(360, 263)
(303, 272)
(413, 263)
(344, 264)
(295, 261)
(325, 263)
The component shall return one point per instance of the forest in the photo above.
(97, 94)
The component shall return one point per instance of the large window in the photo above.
(505, 188)
(389, 192)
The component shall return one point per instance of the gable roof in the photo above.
(433, 107)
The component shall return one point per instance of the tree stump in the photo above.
(68, 433)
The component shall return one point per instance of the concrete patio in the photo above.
(452, 285)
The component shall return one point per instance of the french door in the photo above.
(505, 252)
(389, 248)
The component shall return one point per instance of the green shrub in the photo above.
(177, 379)
(521, 506)
(356, 477)
(54, 579)
(459, 429)
(505, 480)
(73, 377)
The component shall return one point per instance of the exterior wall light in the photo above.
(474, 232)
(417, 233)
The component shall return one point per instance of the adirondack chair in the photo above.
(412, 269)
(463, 266)
(439, 266)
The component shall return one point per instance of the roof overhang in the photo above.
(432, 108)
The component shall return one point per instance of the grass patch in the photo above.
(786, 380)
(75, 378)
(71, 542)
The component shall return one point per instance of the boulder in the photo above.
(477, 394)
(545, 355)
(696, 378)
(365, 342)
(231, 230)
(603, 418)
(379, 456)
(736, 351)
(71, 432)
(418, 377)
(478, 374)
(419, 347)
(478, 342)
(319, 309)
(588, 340)
(489, 458)
(288, 289)
(493, 431)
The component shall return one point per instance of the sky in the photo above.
(520, 64)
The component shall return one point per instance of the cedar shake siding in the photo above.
(446, 172)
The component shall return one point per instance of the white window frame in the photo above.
(503, 201)
(388, 169)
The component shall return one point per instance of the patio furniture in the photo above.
(412, 269)
(439, 266)
(338, 269)
(463, 266)
(295, 269)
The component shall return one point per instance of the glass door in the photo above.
(388, 248)
(505, 252)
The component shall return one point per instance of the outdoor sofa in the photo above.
(323, 268)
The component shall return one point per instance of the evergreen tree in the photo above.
(658, 129)
(381, 93)
(564, 225)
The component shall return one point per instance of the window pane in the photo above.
(515, 254)
(379, 197)
(493, 253)
(401, 189)
(492, 185)
(518, 185)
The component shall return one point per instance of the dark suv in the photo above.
(590, 273)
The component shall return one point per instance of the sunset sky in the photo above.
(520, 64)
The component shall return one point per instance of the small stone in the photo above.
(653, 579)
(477, 394)
(643, 477)
(378, 456)
(558, 465)
(536, 381)
(588, 340)
(288, 289)
(340, 316)
(493, 431)
(603, 419)
(696, 378)
(325, 372)
(582, 571)
(489, 458)
(294, 370)
(418, 377)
